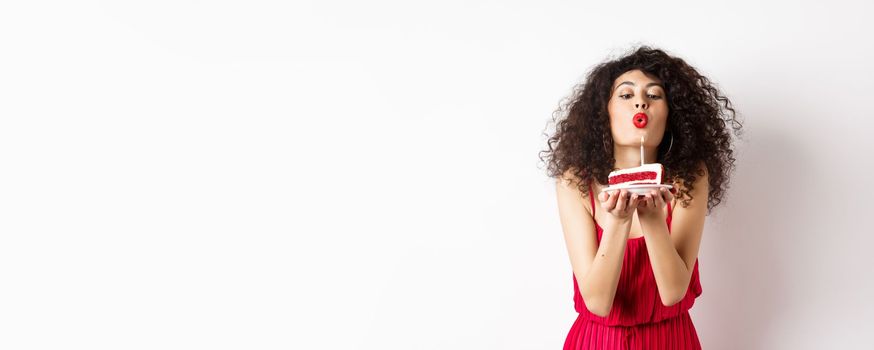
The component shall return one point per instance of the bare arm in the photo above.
(597, 268)
(673, 255)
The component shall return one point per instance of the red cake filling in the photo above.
(623, 178)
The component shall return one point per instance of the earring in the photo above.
(669, 146)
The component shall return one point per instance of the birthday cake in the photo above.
(647, 174)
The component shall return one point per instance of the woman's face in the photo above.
(635, 92)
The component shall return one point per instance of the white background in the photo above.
(364, 175)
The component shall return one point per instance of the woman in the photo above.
(635, 257)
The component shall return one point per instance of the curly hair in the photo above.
(698, 116)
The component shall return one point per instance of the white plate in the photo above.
(638, 189)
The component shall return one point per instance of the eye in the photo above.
(655, 97)
(624, 98)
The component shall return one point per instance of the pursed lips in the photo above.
(640, 120)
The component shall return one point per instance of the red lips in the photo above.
(640, 120)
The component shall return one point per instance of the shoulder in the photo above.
(571, 186)
(570, 175)
(701, 176)
(570, 181)
(699, 188)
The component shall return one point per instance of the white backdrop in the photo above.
(364, 175)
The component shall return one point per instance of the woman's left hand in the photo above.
(652, 205)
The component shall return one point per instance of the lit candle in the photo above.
(641, 151)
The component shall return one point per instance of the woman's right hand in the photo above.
(619, 204)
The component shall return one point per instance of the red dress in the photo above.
(637, 320)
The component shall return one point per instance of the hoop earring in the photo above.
(669, 146)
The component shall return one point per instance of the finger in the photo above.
(665, 195)
(627, 200)
(659, 201)
(606, 202)
(669, 197)
(635, 198)
(603, 196)
(611, 201)
(623, 200)
(649, 201)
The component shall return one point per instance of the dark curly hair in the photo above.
(698, 117)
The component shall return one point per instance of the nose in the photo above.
(640, 105)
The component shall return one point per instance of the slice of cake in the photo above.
(648, 174)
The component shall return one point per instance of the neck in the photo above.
(629, 157)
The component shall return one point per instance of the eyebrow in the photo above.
(632, 84)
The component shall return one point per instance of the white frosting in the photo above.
(654, 167)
